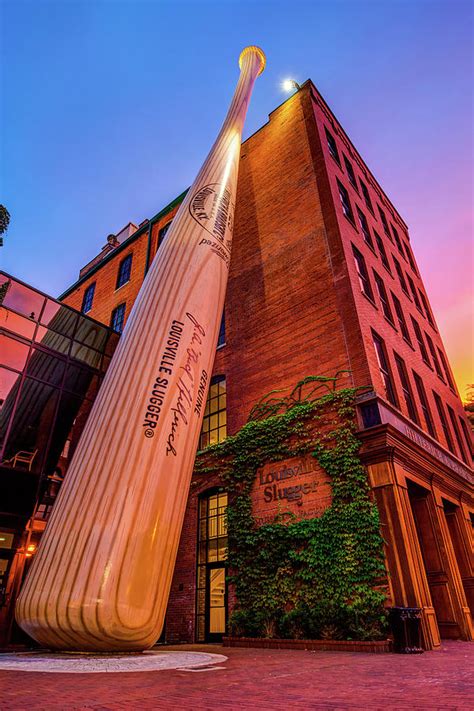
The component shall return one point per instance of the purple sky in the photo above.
(109, 108)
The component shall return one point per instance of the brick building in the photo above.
(322, 279)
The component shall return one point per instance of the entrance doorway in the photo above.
(432, 551)
(211, 597)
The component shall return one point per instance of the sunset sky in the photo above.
(109, 108)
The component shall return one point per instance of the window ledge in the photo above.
(408, 343)
(391, 323)
(121, 286)
(371, 301)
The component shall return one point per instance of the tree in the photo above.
(469, 404)
(4, 222)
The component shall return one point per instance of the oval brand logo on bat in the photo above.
(212, 207)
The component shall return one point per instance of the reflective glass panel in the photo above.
(17, 324)
(58, 317)
(45, 366)
(13, 353)
(22, 299)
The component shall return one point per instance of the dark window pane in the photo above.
(32, 421)
(118, 318)
(163, 232)
(88, 298)
(365, 228)
(457, 433)
(384, 223)
(332, 146)
(424, 404)
(383, 297)
(362, 273)
(221, 339)
(350, 173)
(420, 341)
(384, 367)
(406, 388)
(365, 193)
(45, 366)
(345, 202)
(91, 333)
(401, 276)
(87, 355)
(444, 422)
(124, 271)
(78, 379)
(401, 319)
(382, 252)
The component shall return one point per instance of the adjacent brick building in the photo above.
(322, 279)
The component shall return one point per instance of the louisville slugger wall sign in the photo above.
(102, 574)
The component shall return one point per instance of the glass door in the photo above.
(216, 602)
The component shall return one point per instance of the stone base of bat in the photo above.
(89, 663)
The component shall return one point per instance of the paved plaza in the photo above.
(255, 679)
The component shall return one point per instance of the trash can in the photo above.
(406, 628)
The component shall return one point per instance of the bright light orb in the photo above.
(288, 85)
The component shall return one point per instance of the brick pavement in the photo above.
(261, 679)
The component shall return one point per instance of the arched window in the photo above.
(211, 597)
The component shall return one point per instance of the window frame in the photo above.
(383, 297)
(406, 388)
(362, 274)
(347, 210)
(123, 305)
(385, 369)
(350, 172)
(332, 146)
(124, 271)
(425, 406)
(89, 289)
(444, 422)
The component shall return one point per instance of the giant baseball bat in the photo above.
(102, 574)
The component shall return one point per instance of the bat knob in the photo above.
(252, 49)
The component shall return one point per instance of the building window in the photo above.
(345, 202)
(382, 252)
(444, 422)
(384, 223)
(383, 296)
(406, 388)
(420, 341)
(384, 367)
(162, 233)
(117, 318)
(401, 319)
(427, 309)
(398, 241)
(366, 196)
(446, 369)
(466, 434)
(211, 569)
(124, 271)
(457, 433)
(401, 276)
(88, 298)
(414, 293)
(365, 228)
(214, 424)
(350, 173)
(410, 257)
(363, 274)
(425, 408)
(436, 363)
(221, 338)
(332, 146)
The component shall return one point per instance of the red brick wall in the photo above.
(369, 315)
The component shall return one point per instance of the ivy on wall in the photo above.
(313, 578)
